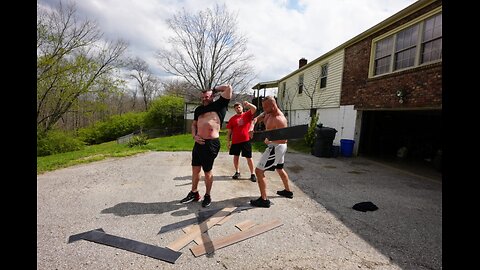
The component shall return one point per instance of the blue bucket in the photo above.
(346, 147)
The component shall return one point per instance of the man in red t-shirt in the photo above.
(239, 129)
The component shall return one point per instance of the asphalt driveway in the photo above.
(135, 197)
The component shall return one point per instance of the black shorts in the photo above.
(204, 154)
(244, 147)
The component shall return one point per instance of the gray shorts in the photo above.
(273, 157)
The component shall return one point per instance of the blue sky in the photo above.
(279, 32)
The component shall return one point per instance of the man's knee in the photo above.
(259, 171)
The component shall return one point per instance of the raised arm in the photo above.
(225, 91)
(251, 107)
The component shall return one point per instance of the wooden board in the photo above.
(211, 246)
(245, 225)
(189, 228)
(202, 216)
(199, 229)
(293, 132)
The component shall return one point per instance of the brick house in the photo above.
(382, 88)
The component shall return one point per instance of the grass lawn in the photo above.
(111, 149)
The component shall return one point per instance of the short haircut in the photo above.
(237, 104)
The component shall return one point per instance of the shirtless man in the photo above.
(207, 121)
(274, 156)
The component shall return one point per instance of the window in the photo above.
(383, 54)
(300, 83)
(323, 76)
(284, 86)
(401, 50)
(432, 39)
(406, 47)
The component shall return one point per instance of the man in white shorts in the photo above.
(274, 156)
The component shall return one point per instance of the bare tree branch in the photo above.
(207, 51)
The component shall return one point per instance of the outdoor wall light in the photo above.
(401, 94)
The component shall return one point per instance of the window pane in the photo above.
(383, 52)
(323, 82)
(300, 84)
(432, 51)
(384, 48)
(407, 38)
(324, 70)
(433, 28)
(405, 59)
(382, 65)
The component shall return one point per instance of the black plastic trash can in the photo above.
(323, 145)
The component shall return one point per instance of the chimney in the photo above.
(302, 62)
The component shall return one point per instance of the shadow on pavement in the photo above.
(407, 227)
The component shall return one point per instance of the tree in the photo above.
(73, 62)
(206, 50)
(288, 96)
(180, 88)
(149, 85)
(310, 89)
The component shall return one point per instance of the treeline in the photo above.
(84, 86)
(166, 113)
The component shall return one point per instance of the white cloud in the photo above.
(279, 32)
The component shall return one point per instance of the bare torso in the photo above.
(208, 125)
(274, 122)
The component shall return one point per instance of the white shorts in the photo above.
(273, 157)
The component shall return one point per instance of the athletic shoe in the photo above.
(253, 178)
(206, 200)
(236, 175)
(192, 196)
(260, 202)
(285, 193)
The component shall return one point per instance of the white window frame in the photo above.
(323, 75)
(393, 34)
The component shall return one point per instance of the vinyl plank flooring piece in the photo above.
(199, 229)
(292, 132)
(201, 217)
(210, 246)
(227, 218)
(80, 236)
(100, 237)
(200, 239)
(245, 225)
(221, 222)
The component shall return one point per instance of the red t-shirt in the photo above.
(240, 125)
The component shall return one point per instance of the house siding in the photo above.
(298, 106)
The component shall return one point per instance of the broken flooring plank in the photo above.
(202, 216)
(199, 229)
(245, 225)
(211, 246)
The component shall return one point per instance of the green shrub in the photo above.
(165, 112)
(310, 136)
(116, 126)
(55, 141)
(138, 140)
